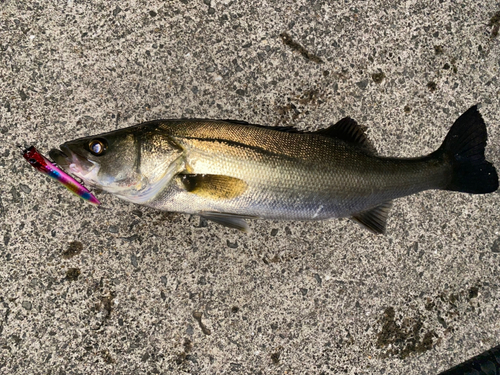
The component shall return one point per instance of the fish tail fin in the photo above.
(463, 148)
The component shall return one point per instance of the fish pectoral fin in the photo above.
(228, 220)
(349, 131)
(375, 220)
(213, 186)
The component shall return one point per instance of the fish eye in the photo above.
(97, 146)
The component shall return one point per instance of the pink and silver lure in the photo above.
(44, 165)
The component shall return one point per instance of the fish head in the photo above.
(133, 163)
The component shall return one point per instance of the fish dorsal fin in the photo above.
(213, 186)
(349, 131)
(228, 220)
(375, 220)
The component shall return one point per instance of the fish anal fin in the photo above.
(349, 131)
(213, 186)
(375, 220)
(227, 220)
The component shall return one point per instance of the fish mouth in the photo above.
(70, 161)
(59, 157)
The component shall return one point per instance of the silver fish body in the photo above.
(288, 175)
(227, 171)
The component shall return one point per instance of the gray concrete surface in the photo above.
(119, 290)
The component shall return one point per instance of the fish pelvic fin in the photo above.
(463, 147)
(227, 220)
(375, 219)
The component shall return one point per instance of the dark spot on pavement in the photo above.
(297, 104)
(16, 197)
(430, 305)
(232, 245)
(378, 77)
(235, 367)
(274, 259)
(16, 339)
(275, 357)
(27, 305)
(183, 357)
(131, 238)
(25, 188)
(294, 46)
(107, 303)
(362, 84)
(473, 292)
(286, 110)
(74, 248)
(453, 299)
(309, 96)
(442, 321)
(137, 213)
(113, 229)
(106, 356)
(23, 95)
(495, 248)
(197, 315)
(495, 19)
(72, 274)
(432, 86)
(404, 337)
(495, 23)
(133, 260)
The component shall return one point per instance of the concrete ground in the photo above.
(130, 290)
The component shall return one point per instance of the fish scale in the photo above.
(327, 172)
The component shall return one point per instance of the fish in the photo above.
(229, 171)
(45, 166)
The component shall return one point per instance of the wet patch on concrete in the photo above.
(74, 248)
(403, 337)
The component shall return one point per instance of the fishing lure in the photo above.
(45, 166)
